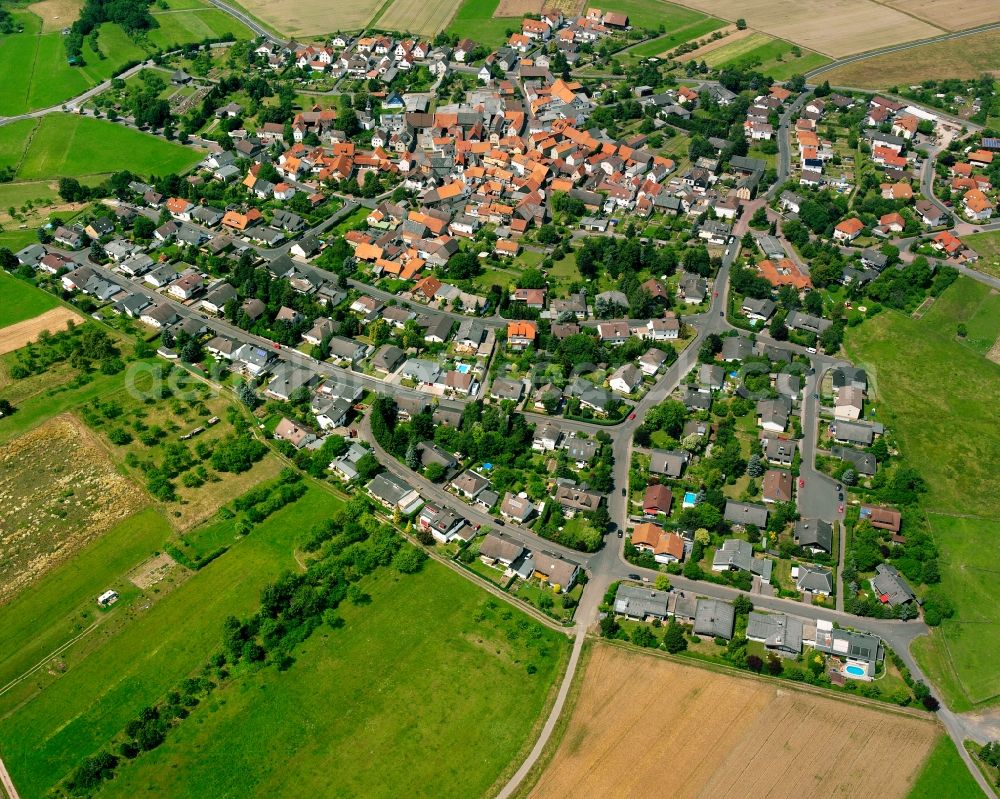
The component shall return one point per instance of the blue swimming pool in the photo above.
(690, 498)
(463, 368)
(854, 671)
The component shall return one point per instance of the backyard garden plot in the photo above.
(62, 603)
(56, 14)
(424, 715)
(836, 28)
(142, 432)
(58, 491)
(964, 58)
(699, 733)
(37, 75)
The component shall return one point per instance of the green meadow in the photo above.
(426, 691)
(66, 145)
(21, 300)
(62, 605)
(945, 774)
(43, 735)
(942, 402)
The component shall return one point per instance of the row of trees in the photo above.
(347, 547)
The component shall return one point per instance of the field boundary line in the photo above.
(911, 15)
(54, 653)
(8, 783)
(816, 690)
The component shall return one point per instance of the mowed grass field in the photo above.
(942, 401)
(964, 58)
(987, 245)
(834, 28)
(474, 19)
(945, 774)
(771, 56)
(424, 692)
(67, 145)
(695, 732)
(20, 301)
(45, 731)
(63, 604)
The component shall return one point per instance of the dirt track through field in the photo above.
(15, 336)
(649, 727)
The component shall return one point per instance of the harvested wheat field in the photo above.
(313, 17)
(518, 8)
(647, 726)
(58, 491)
(56, 14)
(952, 15)
(15, 336)
(424, 17)
(834, 28)
(964, 58)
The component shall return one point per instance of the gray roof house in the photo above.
(388, 357)
(669, 463)
(736, 348)
(503, 389)
(421, 371)
(773, 414)
(854, 646)
(815, 579)
(714, 618)
(814, 534)
(797, 320)
(890, 586)
(516, 507)
(778, 632)
(636, 602)
(500, 548)
(393, 492)
(849, 377)
(862, 462)
(711, 376)
(788, 385)
(737, 555)
(288, 379)
(745, 513)
(580, 450)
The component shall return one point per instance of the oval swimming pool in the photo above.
(855, 671)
